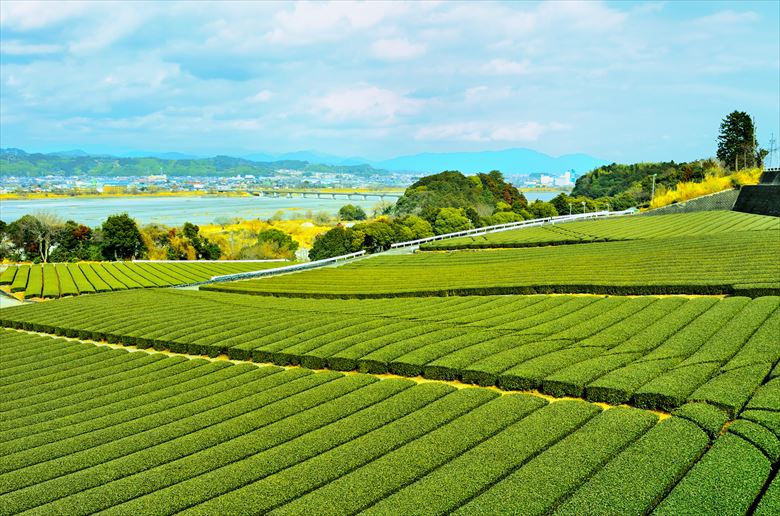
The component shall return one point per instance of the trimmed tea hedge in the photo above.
(742, 263)
(87, 429)
(655, 353)
(612, 229)
(68, 279)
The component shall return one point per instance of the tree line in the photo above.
(737, 149)
(46, 238)
(445, 203)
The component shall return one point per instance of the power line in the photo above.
(772, 150)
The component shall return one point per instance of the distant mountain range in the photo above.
(510, 161)
(16, 162)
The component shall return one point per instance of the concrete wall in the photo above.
(770, 177)
(761, 199)
(718, 201)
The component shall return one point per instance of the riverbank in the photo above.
(175, 210)
(91, 194)
(25, 196)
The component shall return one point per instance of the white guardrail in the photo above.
(513, 225)
(476, 231)
(281, 270)
(212, 261)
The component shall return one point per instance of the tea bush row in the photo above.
(612, 229)
(67, 279)
(741, 263)
(216, 437)
(646, 351)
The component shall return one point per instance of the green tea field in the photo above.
(654, 353)
(69, 279)
(742, 263)
(91, 429)
(633, 376)
(619, 228)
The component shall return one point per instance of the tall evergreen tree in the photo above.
(121, 238)
(737, 142)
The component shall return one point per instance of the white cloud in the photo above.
(506, 67)
(250, 124)
(26, 15)
(336, 75)
(726, 19)
(120, 21)
(579, 15)
(19, 48)
(455, 131)
(308, 22)
(649, 8)
(396, 49)
(485, 132)
(480, 94)
(260, 96)
(530, 131)
(367, 103)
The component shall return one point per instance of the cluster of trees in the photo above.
(448, 202)
(271, 243)
(46, 238)
(441, 203)
(185, 243)
(617, 184)
(351, 212)
(636, 180)
(372, 236)
(451, 189)
(737, 147)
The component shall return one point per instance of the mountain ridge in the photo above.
(512, 161)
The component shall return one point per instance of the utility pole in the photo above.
(652, 192)
(569, 209)
(753, 149)
(771, 152)
(583, 207)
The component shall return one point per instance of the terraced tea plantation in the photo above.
(620, 228)
(743, 263)
(88, 429)
(647, 351)
(70, 279)
(425, 383)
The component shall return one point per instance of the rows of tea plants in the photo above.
(87, 429)
(648, 351)
(619, 228)
(743, 263)
(69, 279)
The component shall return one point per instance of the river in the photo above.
(174, 211)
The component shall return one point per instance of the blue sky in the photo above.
(623, 81)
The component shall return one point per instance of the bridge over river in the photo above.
(326, 194)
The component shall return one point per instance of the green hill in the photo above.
(15, 162)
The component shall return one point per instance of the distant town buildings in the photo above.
(282, 178)
(546, 180)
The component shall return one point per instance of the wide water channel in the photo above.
(174, 211)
